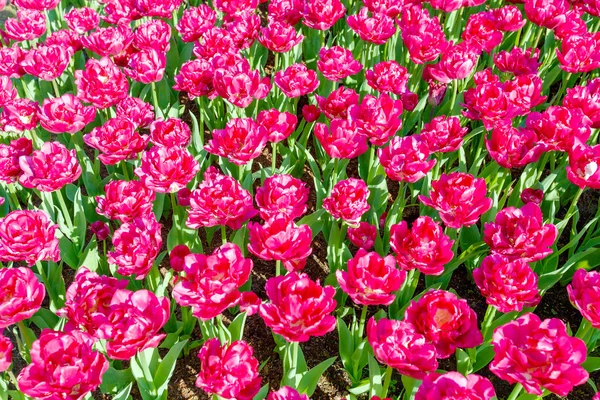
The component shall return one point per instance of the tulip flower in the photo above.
(21, 295)
(348, 200)
(453, 384)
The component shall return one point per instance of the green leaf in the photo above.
(68, 252)
(124, 394)
(346, 344)
(166, 367)
(591, 364)
(236, 328)
(264, 391)
(79, 222)
(485, 354)
(375, 380)
(309, 381)
(115, 380)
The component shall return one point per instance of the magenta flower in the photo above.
(584, 293)
(348, 200)
(154, 34)
(132, 322)
(337, 104)
(296, 80)
(422, 35)
(109, 41)
(539, 355)
(443, 134)
(87, 297)
(583, 168)
(281, 239)
(82, 20)
(196, 78)
(286, 393)
(136, 246)
(211, 283)
(342, 139)
(146, 66)
(167, 169)
(371, 279)
(50, 168)
(379, 118)
(46, 62)
(375, 29)
(279, 125)
(282, 193)
(388, 76)
(101, 83)
(64, 365)
(453, 384)
(9, 158)
(322, 14)
(337, 63)
(136, 110)
(172, 132)
(507, 285)
(520, 233)
(424, 246)
(241, 141)
(406, 159)
(19, 115)
(363, 236)
(219, 200)
(28, 235)
(229, 370)
(459, 198)
(195, 21)
(21, 295)
(279, 37)
(6, 348)
(240, 85)
(125, 200)
(65, 114)
(117, 140)
(512, 148)
(399, 345)
(300, 308)
(445, 320)
(557, 127)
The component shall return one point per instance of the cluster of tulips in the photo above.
(133, 131)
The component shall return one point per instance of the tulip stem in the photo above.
(515, 392)
(64, 208)
(155, 101)
(25, 336)
(386, 381)
(277, 267)
(571, 210)
(361, 325)
(585, 331)
(174, 220)
(273, 158)
(223, 234)
(125, 173)
(487, 321)
(12, 195)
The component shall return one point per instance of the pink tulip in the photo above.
(342, 139)
(211, 283)
(46, 62)
(520, 233)
(338, 103)
(424, 246)
(133, 322)
(10, 61)
(296, 80)
(140, 113)
(154, 34)
(195, 21)
(539, 355)
(282, 193)
(371, 279)
(146, 66)
(391, 8)
(229, 370)
(379, 118)
(215, 41)
(443, 134)
(458, 62)
(546, 13)
(279, 125)
(447, 321)
(177, 257)
(399, 345)
(388, 76)
(167, 169)
(423, 35)
(377, 29)
(337, 63)
(29, 25)
(19, 115)
(28, 235)
(8, 92)
(244, 28)
(219, 200)
(21, 295)
(363, 236)
(453, 384)
(65, 38)
(517, 61)
(240, 85)
(310, 112)
(299, 308)
(156, 8)
(196, 78)
(286, 393)
(65, 114)
(507, 285)
(88, 297)
(405, 159)
(557, 127)
(82, 20)
(584, 293)
(36, 5)
(100, 229)
(508, 18)
(583, 168)
(136, 246)
(281, 239)
(101, 83)
(125, 200)
(587, 99)
(482, 33)
(513, 148)
(172, 132)
(348, 200)
(9, 158)
(50, 168)
(322, 14)
(109, 41)
(459, 198)
(241, 141)
(6, 348)
(286, 11)
(117, 140)
(530, 195)
(64, 365)
(279, 37)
